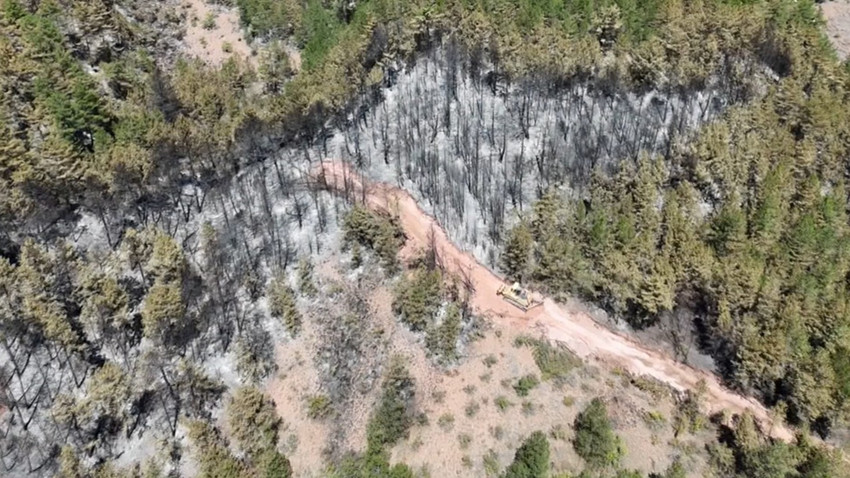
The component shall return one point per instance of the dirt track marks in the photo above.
(577, 331)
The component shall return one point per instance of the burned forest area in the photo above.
(391, 239)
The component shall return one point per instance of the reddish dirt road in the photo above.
(578, 332)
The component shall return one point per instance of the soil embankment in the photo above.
(578, 331)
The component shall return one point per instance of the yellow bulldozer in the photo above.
(518, 296)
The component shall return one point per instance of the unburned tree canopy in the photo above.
(595, 440)
(253, 421)
(282, 303)
(163, 311)
(531, 459)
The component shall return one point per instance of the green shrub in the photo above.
(471, 409)
(502, 403)
(373, 464)
(305, 277)
(255, 354)
(464, 440)
(441, 340)
(531, 459)
(59, 84)
(554, 362)
(490, 461)
(517, 251)
(378, 232)
(652, 386)
(282, 304)
(394, 415)
(721, 459)
(595, 440)
(319, 406)
(631, 474)
(677, 470)
(319, 31)
(418, 297)
(525, 384)
(688, 416)
(253, 421)
(272, 464)
(768, 460)
(210, 451)
(654, 419)
(275, 18)
(356, 256)
(421, 419)
(446, 421)
(209, 21)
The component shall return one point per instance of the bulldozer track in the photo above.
(576, 330)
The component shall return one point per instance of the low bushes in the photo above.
(378, 232)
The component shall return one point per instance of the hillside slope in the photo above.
(579, 332)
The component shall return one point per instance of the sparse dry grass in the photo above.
(446, 421)
(554, 361)
(478, 395)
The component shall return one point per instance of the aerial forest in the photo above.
(675, 163)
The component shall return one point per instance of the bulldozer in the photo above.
(518, 296)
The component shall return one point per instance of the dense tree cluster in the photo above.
(745, 453)
(102, 347)
(106, 338)
(216, 460)
(427, 301)
(74, 331)
(389, 422)
(480, 131)
(97, 127)
(746, 227)
(126, 135)
(741, 450)
(379, 232)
